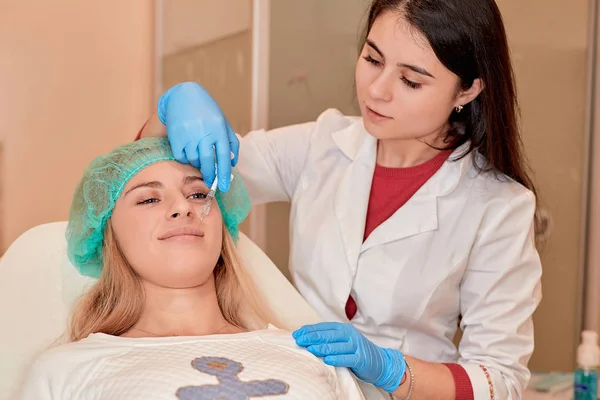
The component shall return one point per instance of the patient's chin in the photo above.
(175, 265)
(180, 275)
(180, 282)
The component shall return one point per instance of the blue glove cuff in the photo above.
(393, 373)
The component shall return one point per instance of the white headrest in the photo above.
(38, 286)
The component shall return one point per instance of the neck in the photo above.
(180, 312)
(406, 153)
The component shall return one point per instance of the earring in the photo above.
(458, 109)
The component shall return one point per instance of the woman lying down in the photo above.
(173, 314)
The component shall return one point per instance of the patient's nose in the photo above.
(181, 208)
(177, 215)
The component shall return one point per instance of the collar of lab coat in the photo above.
(351, 202)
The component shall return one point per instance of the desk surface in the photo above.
(557, 380)
(533, 395)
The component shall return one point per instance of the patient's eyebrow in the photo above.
(158, 185)
(191, 179)
(151, 184)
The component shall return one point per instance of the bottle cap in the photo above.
(588, 352)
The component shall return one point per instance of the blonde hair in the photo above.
(114, 304)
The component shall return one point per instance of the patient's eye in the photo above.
(148, 201)
(198, 196)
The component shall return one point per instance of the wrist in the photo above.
(394, 370)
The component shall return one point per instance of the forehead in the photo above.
(401, 42)
(164, 171)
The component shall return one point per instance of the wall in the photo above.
(192, 23)
(223, 67)
(312, 68)
(76, 79)
(549, 46)
(593, 262)
(592, 276)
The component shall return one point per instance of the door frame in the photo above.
(261, 55)
(590, 274)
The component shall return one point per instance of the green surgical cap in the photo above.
(102, 184)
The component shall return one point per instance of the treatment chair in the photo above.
(38, 287)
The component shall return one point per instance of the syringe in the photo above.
(209, 198)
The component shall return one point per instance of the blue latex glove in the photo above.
(197, 129)
(341, 345)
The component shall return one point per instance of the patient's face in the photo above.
(157, 225)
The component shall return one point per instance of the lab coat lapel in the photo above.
(420, 213)
(352, 196)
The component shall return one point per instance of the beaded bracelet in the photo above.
(411, 382)
(412, 379)
(489, 379)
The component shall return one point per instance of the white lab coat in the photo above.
(462, 245)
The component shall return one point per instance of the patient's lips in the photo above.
(183, 233)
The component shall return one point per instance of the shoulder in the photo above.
(486, 201)
(333, 120)
(338, 132)
(69, 357)
(57, 356)
(494, 206)
(48, 375)
(495, 189)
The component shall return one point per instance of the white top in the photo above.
(462, 245)
(261, 363)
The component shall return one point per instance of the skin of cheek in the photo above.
(136, 231)
(416, 112)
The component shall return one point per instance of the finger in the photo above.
(333, 349)
(223, 164)
(345, 360)
(321, 337)
(191, 153)
(234, 145)
(321, 326)
(207, 160)
(178, 152)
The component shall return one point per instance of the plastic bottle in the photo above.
(586, 374)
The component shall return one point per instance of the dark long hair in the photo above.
(469, 38)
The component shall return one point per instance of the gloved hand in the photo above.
(342, 345)
(197, 129)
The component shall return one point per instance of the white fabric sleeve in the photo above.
(499, 293)
(271, 162)
(37, 385)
